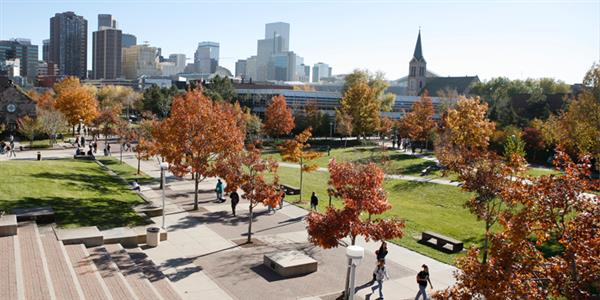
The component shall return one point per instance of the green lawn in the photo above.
(124, 170)
(79, 191)
(424, 206)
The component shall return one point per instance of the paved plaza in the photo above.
(205, 256)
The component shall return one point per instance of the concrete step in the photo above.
(62, 275)
(90, 236)
(36, 278)
(91, 282)
(9, 288)
(125, 236)
(115, 281)
(133, 274)
(162, 284)
(8, 225)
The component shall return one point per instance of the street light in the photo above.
(355, 254)
(163, 167)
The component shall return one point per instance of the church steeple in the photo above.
(418, 51)
(417, 69)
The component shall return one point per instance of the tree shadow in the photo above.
(406, 186)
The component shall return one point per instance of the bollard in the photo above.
(39, 155)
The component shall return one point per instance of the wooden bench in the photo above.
(441, 242)
(290, 190)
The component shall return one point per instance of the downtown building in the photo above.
(19, 58)
(140, 60)
(206, 57)
(68, 44)
(320, 71)
(106, 49)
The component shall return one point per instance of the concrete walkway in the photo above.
(204, 259)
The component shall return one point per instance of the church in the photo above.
(419, 79)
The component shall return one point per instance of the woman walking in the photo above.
(380, 275)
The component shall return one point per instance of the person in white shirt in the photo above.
(135, 185)
(380, 274)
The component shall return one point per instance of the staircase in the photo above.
(35, 265)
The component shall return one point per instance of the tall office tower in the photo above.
(140, 60)
(45, 49)
(417, 70)
(320, 71)
(106, 53)
(281, 29)
(26, 54)
(306, 77)
(128, 40)
(240, 68)
(206, 57)
(179, 61)
(107, 21)
(68, 43)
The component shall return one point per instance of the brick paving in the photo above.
(35, 282)
(92, 285)
(135, 278)
(59, 269)
(8, 269)
(115, 282)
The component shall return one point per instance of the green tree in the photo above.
(377, 82)
(360, 103)
(158, 100)
(29, 127)
(220, 89)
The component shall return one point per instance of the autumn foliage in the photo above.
(360, 188)
(198, 134)
(75, 101)
(294, 151)
(279, 119)
(419, 123)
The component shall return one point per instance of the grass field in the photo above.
(423, 206)
(79, 191)
(124, 170)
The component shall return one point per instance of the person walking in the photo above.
(381, 253)
(108, 149)
(219, 189)
(12, 152)
(380, 275)
(314, 201)
(235, 199)
(422, 279)
(282, 199)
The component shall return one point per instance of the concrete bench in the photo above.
(290, 263)
(8, 225)
(149, 210)
(84, 156)
(441, 242)
(125, 236)
(90, 236)
(42, 215)
(290, 190)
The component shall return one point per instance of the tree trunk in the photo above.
(138, 170)
(485, 242)
(196, 181)
(121, 153)
(301, 172)
(250, 216)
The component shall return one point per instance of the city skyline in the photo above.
(517, 40)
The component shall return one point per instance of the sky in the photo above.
(511, 38)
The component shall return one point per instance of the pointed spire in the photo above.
(418, 51)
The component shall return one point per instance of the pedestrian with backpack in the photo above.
(380, 275)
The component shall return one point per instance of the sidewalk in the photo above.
(204, 259)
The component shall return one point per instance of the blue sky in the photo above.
(518, 39)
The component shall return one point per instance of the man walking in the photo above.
(219, 190)
(235, 199)
(314, 201)
(422, 279)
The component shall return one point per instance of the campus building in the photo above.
(14, 104)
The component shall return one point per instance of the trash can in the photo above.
(152, 236)
(39, 156)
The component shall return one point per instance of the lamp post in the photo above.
(163, 167)
(330, 130)
(355, 254)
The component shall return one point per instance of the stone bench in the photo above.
(90, 236)
(8, 225)
(290, 263)
(441, 242)
(125, 236)
(84, 156)
(42, 215)
(290, 190)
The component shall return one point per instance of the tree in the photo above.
(45, 100)
(197, 135)
(514, 145)
(534, 142)
(359, 102)
(279, 119)
(293, 151)
(247, 171)
(419, 120)
(376, 82)
(343, 125)
(114, 94)
(52, 122)
(592, 81)
(145, 146)
(220, 89)
(75, 101)
(29, 127)
(127, 134)
(158, 100)
(253, 127)
(109, 121)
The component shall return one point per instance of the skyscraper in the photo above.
(320, 71)
(179, 61)
(25, 52)
(206, 57)
(417, 70)
(272, 30)
(106, 53)
(240, 68)
(45, 49)
(128, 40)
(68, 43)
(140, 60)
(106, 20)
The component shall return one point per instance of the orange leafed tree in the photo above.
(75, 101)
(198, 134)
(247, 171)
(421, 120)
(360, 188)
(145, 144)
(343, 124)
(109, 121)
(279, 119)
(294, 151)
